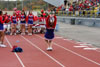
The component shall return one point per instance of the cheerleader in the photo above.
(50, 26)
(30, 22)
(23, 22)
(14, 24)
(6, 22)
(42, 23)
(7, 25)
(2, 29)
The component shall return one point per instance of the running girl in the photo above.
(2, 29)
(50, 26)
(30, 22)
(23, 22)
(14, 24)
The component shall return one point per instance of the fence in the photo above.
(91, 22)
(90, 13)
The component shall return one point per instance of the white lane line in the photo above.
(90, 48)
(81, 43)
(86, 44)
(34, 45)
(74, 53)
(58, 37)
(80, 46)
(15, 53)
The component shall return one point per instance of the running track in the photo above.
(64, 53)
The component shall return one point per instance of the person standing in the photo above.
(30, 22)
(23, 22)
(2, 29)
(50, 27)
(14, 24)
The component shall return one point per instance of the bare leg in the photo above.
(24, 28)
(50, 43)
(12, 29)
(47, 43)
(15, 29)
(21, 28)
(2, 37)
(30, 28)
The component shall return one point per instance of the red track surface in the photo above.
(35, 54)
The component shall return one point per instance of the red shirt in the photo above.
(47, 23)
(1, 19)
(8, 20)
(13, 18)
(30, 17)
(36, 18)
(23, 17)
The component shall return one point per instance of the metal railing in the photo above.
(84, 13)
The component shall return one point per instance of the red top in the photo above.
(13, 18)
(30, 17)
(9, 19)
(18, 14)
(36, 18)
(1, 19)
(23, 17)
(47, 22)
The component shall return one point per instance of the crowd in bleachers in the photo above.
(81, 5)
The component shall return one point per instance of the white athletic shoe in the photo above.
(3, 46)
(22, 33)
(30, 34)
(49, 49)
(14, 33)
(10, 33)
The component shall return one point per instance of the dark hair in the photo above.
(24, 13)
(0, 12)
(29, 12)
(51, 24)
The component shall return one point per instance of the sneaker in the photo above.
(14, 33)
(29, 34)
(49, 49)
(10, 33)
(3, 46)
(22, 33)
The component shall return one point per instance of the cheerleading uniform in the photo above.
(23, 19)
(1, 23)
(49, 35)
(31, 19)
(14, 19)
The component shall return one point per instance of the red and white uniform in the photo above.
(14, 19)
(47, 22)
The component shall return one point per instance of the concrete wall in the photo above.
(92, 22)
